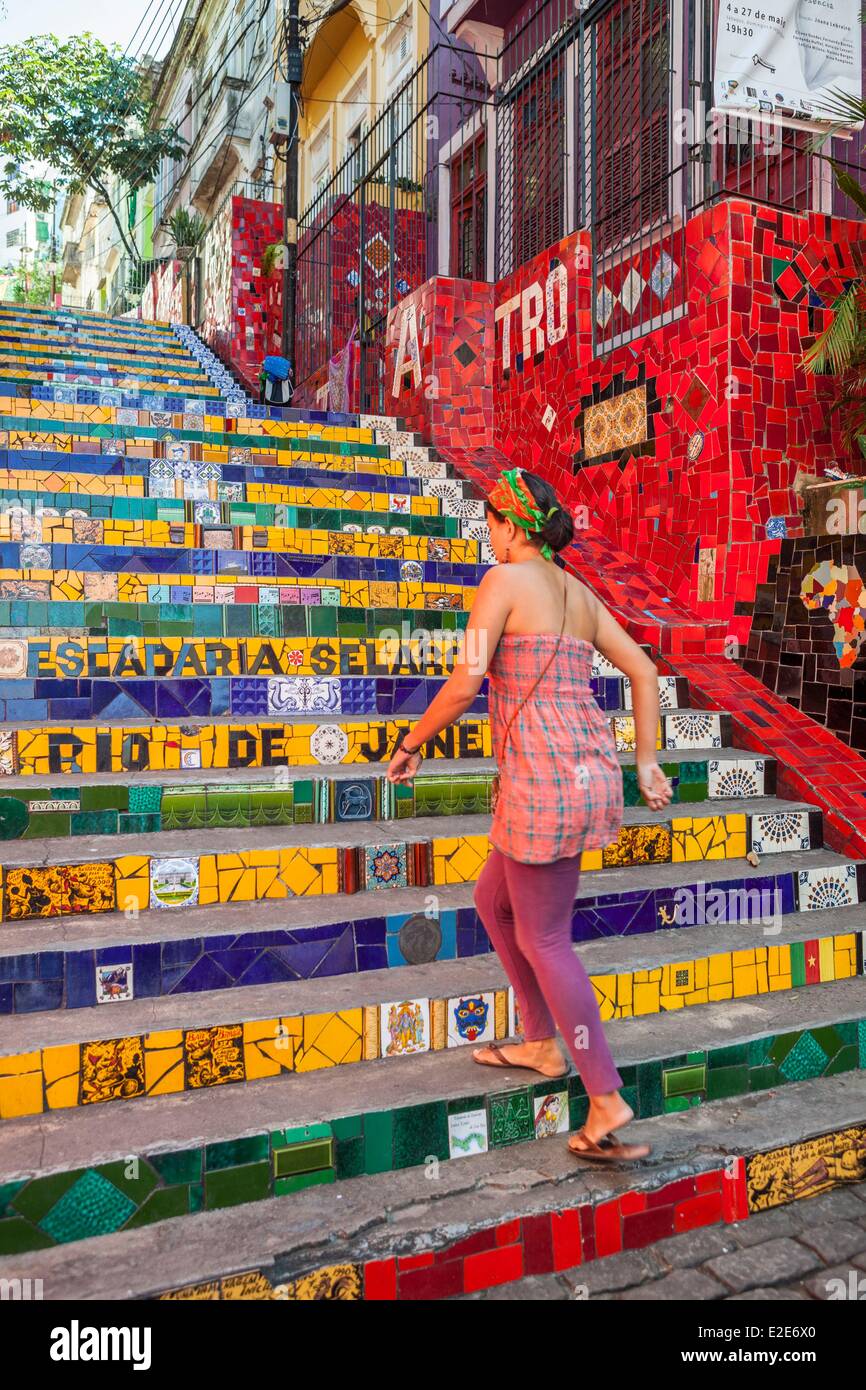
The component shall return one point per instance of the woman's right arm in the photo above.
(625, 654)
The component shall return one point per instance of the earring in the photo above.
(508, 555)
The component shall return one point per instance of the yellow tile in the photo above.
(60, 1062)
(20, 1095)
(647, 998)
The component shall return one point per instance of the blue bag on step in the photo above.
(276, 367)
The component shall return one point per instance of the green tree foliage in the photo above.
(32, 286)
(841, 349)
(82, 109)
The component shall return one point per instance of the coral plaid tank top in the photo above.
(560, 780)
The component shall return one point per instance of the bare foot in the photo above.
(544, 1056)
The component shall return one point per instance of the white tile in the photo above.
(834, 886)
(467, 1133)
(551, 1114)
(404, 1027)
(693, 729)
(780, 832)
(114, 983)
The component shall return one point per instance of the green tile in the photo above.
(805, 1061)
(378, 1142)
(305, 1156)
(94, 823)
(349, 1158)
(845, 1060)
(727, 1081)
(182, 1166)
(40, 1194)
(649, 1085)
(236, 1151)
(135, 1178)
(510, 1117)
(7, 1192)
(283, 1186)
(683, 1081)
(48, 825)
(17, 1235)
(231, 1186)
(735, 1056)
(420, 1132)
(349, 1127)
(762, 1078)
(162, 1206)
(92, 1206)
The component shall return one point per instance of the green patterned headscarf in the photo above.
(511, 497)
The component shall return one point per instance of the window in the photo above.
(632, 123)
(398, 56)
(538, 115)
(15, 237)
(469, 212)
(320, 161)
(742, 163)
(11, 206)
(355, 112)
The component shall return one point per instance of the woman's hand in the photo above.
(404, 766)
(654, 787)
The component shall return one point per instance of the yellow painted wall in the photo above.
(338, 54)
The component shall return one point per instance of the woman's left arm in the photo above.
(487, 620)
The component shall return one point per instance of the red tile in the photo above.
(380, 1280)
(493, 1267)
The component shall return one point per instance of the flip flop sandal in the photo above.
(608, 1150)
(504, 1061)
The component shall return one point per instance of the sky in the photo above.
(113, 21)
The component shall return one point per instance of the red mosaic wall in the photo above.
(255, 302)
(702, 491)
(447, 394)
(329, 282)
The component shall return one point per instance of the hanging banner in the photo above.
(790, 59)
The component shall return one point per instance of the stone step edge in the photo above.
(101, 931)
(305, 772)
(345, 835)
(37, 1145)
(439, 980)
(362, 1224)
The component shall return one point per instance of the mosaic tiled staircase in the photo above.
(207, 896)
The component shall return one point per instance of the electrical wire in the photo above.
(171, 12)
(193, 152)
(240, 104)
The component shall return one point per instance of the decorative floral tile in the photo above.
(385, 866)
(289, 694)
(693, 729)
(834, 886)
(667, 692)
(779, 832)
(329, 743)
(13, 659)
(736, 777)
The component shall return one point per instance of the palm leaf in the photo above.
(836, 348)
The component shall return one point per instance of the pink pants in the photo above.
(527, 910)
